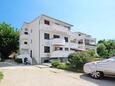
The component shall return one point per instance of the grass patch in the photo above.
(1, 75)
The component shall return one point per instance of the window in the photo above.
(46, 49)
(56, 36)
(60, 48)
(46, 22)
(79, 34)
(66, 49)
(66, 39)
(26, 33)
(25, 42)
(46, 36)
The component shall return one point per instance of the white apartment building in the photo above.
(47, 38)
(84, 41)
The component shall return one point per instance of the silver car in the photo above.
(100, 69)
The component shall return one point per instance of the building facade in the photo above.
(47, 38)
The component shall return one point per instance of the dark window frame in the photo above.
(56, 36)
(25, 42)
(26, 33)
(66, 49)
(47, 22)
(66, 39)
(79, 34)
(46, 36)
(46, 49)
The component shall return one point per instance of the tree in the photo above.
(101, 50)
(9, 40)
(106, 48)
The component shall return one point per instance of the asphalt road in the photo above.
(40, 75)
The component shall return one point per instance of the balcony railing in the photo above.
(58, 41)
(81, 46)
(73, 45)
(90, 47)
(54, 28)
(60, 54)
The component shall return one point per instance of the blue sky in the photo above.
(94, 17)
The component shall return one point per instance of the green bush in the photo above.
(62, 66)
(102, 51)
(77, 60)
(18, 60)
(91, 53)
(1, 75)
(55, 63)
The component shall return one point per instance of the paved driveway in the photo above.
(43, 76)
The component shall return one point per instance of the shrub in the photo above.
(62, 66)
(97, 56)
(1, 75)
(77, 60)
(55, 63)
(91, 53)
(18, 60)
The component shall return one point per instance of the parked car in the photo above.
(100, 69)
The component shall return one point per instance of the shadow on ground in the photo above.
(106, 81)
(9, 63)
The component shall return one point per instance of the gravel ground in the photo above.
(40, 75)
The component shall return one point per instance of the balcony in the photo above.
(73, 45)
(58, 42)
(24, 46)
(81, 46)
(54, 28)
(90, 46)
(59, 53)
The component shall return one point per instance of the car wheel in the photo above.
(97, 75)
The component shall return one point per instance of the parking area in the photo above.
(39, 75)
